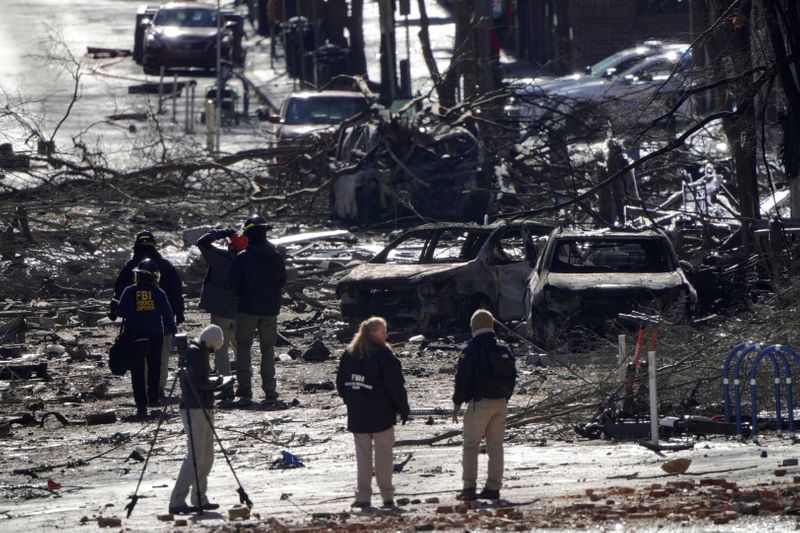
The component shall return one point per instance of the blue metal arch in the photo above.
(726, 400)
(776, 374)
(781, 350)
(737, 385)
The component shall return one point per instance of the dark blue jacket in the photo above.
(195, 375)
(170, 280)
(257, 276)
(217, 297)
(146, 311)
(373, 388)
(486, 369)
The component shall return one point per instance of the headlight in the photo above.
(153, 39)
(558, 300)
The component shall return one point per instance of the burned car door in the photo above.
(510, 259)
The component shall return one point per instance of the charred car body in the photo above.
(184, 35)
(441, 273)
(587, 278)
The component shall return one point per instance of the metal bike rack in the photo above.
(777, 355)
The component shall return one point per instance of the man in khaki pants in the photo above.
(485, 379)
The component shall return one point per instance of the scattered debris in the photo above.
(317, 352)
(287, 460)
(238, 512)
(676, 466)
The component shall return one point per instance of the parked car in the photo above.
(639, 93)
(587, 278)
(306, 112)
(609, 68)
(184, 35)
(439, 274)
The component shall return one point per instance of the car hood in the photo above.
(381, 274)
(543, 86)
(587, 89)
(292, 131)
(176, 32)
(605, 281)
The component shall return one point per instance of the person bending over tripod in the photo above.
(197, 413)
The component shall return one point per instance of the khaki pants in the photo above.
(222, 363)
(200, 440)
(487, 418)
(246, 327)
(166, 352)
(383, 443)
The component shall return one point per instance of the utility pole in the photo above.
(483, 52)
(220, 82)
(389, 65)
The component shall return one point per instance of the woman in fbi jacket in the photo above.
(370, 380)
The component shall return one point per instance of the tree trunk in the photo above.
(784, 34)
(358, 59)
(729, 48)
(465, 50)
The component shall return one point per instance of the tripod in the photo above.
(243, 497)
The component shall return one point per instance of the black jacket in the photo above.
(170, 281)
(486, 369)
(257, 276)
(195, 374)
(217, 297)
(145, 311)
(373, 388)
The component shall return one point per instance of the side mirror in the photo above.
(230, 25)
(264, 115)
(588, 69)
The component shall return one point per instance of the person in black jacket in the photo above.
(144, 247)
(257, 277)
(485, 378)
(370, 380)
(147, 316)
(197, 404)
(216, 296)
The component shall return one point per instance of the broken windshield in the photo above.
(440, 246)
(610, 255)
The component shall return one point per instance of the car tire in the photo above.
(150, 66)
(542, 330)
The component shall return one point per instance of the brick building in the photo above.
(566, 35)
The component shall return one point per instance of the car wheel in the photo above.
(150, 66)
(543, 330)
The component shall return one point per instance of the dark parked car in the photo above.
(587, 278)
(441, 273)
(184, 35)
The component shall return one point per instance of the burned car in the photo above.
(587, 278)
(439, 274)
(184, 35)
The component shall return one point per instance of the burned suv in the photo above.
(439, 274)
(184, 35)
(587, 278)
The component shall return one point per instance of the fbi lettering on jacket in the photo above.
(144, 301)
